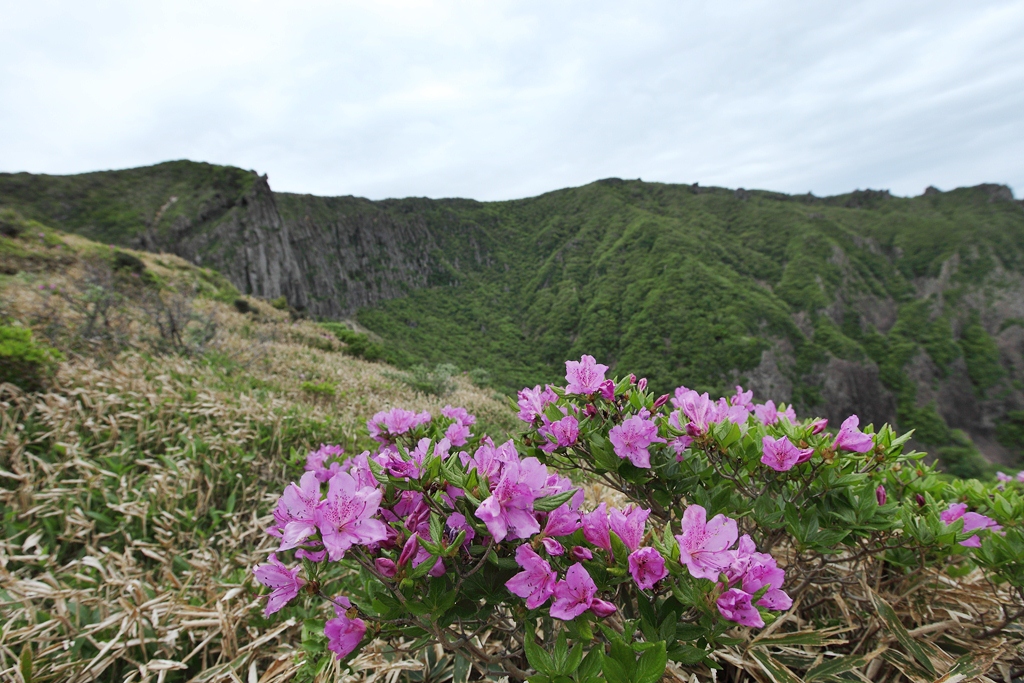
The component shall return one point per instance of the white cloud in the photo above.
(505, 99)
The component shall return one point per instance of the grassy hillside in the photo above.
(135, 484)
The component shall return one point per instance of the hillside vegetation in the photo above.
(901, 309)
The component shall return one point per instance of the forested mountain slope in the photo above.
(907, 309)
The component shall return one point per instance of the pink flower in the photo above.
(743, 398)
(595, 527)
(766, 413)
(536, 582)
(850, 438)
(562, 521)
(457, 434)
(460, 415)
(457, 523)
(296, 511)
(284, 582)
(647, 567)
(703, 545)
(575, 594)
(781, 455)
(584, 376)
(345, 518)
(735, 605)
(386, 567)
(580, 553)
(552, 547)
(700, 411)
(533, 401)
(632, 438)
(973, 521)
(629, 524)
(607, 390)
(880, 494)
(560, 434)
(762, 571)
(343, 634)
(818, 426)
(1003, 477)
(1020, 476)
(508, 512)
(391, 423)
(315, 461)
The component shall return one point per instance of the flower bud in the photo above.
(602, 608)
(818, 426)
(920, 500)
(642, 384)
(880, 494)
(386, 567)
(661, 400)
(632, 378)
(409, 551)
(590, 410)
(607, 390)
(580, 553)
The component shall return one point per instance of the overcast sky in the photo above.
(495, 100)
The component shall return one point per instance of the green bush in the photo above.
(325, 389)
(434, 382)
(356, 344)
(1010, 432)
(981, 355)
(23, 361)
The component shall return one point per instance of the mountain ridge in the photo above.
(897, 308)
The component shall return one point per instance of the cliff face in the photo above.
(900, 310)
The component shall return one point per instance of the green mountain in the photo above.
(905, 309)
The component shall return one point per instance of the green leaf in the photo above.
(831, 667)
(614, 671)
(435, 528)
(549, 503)
(423, 568)
(537, 657)
(651, 665)
(590, 667)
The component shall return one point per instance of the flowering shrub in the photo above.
(735, 512)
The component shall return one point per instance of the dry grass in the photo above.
(132, 490)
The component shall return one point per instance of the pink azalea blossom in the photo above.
(781, 455)
(533, 401)
(560, 434)
(386, 567)
(316, 461)
(536, 583)
(562, 521)
(743, 398)
(1020, 476)
(661, 400)
(508, 512)
(766, 413)
(973, 521)
(629, 524)
(343, 634)
(703, 545)
(607, 390)
(456, 522)
(735, 605)
(595, 527)
(390, 423)
(818, 426)
(789, 414)
(850, 438)
(880, 495)
(700, 410)
(346, 517)
(457, 433)
(647, 567)
(575, 594)
(632, 438)
(584, 376)
(762, 571)
(296, 511)
(285, 583)
(552, 547)
(460, 415)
